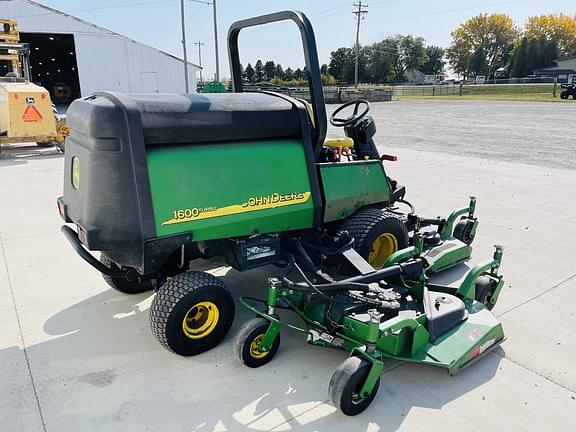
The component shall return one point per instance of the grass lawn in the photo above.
(514, 92)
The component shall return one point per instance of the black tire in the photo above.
(124, 285)
(191, 313)
(485, 287)
(463, 231)
(346, 384)
(368, 225)
(246, 342)
(564, 95)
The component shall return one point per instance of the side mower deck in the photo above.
(391, 313)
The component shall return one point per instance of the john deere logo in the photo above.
(76, 172)
(30, 100)
(252, 204)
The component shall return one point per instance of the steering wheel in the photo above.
(341, 122)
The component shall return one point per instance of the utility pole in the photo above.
(184, 46)
(200, 57)
(216, 42)
(360, 12)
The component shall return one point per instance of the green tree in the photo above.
(494, 34)
(534, 55)
(249, 73)
(434, 63)
(341, 61)
(299, 74)
(269, 70)
(559, 28)
(478, 63)
(521, 62)
(383, 57)
(288, 74)
(258, 71)
(279, 72)
(324, 69)
(411, 55)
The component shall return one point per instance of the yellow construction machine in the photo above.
(26, 110)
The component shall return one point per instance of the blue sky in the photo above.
(157, 23)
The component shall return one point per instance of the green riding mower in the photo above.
(394, 312)
(155, 181)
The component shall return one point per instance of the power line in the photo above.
(360, 13)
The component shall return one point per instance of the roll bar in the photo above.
(310, 55)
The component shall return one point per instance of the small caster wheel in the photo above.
(247, 341)
(485, 288)
(346, 384)
(463, 231)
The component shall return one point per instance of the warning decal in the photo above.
(31, 114)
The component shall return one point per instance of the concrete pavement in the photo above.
(76, 355)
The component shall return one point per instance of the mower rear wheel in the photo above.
(564, 95)
(122, 284)
(191, 313)
(485, 288)
(463, 231)
(346, 384)
(248, 340)
(377, 234)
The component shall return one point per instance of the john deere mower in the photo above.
(155, 181)
(394, 313)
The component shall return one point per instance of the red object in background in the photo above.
(387, 157)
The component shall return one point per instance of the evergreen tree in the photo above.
(324, 69)
(534, 56)
(298, 74)
(258, 71)
(478, 63)
(249, 73)
(269, 70)
(279, 72)
(521, 62)
(288, 74)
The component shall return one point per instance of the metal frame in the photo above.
(310, 55)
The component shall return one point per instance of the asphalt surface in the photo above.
(78, 356)
(537, 133)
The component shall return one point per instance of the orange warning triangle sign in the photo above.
(31, 114)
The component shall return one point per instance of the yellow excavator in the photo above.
(26, 110)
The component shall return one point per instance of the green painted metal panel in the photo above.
(350, 186)
(226, 190)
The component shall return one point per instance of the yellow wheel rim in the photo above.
(200, 320)
(254, 353)
(382, 248)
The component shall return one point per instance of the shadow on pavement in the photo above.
(102, 349)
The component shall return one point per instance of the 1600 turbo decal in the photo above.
(252, 204)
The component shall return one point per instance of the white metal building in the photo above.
(72, 57)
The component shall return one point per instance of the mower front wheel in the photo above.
(191, 313)
(485, 288)
(377, 234)
(346, 384)
(248, 340)
(464, 231)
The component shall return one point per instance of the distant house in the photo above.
(414, 76)
(565, 70)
